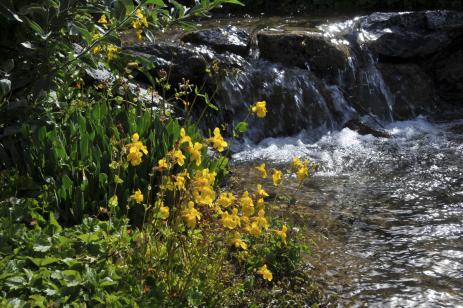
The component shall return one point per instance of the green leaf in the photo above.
(43, 261)
(241, 127)
(5, 87)
(53, 222)
(41, 248)
(156, 2)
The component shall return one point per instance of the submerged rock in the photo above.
(362, 129)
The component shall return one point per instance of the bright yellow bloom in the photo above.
(103, 20)
(237, 242)
(162, 164)
(262, 170)
(136, 150)
(180, 180)
(111, 50)
(203, 191)
(260, 109)
(302, 173)
(191, 215)
(164, 211)
(253, 228)
(276, 176)
(139, 35)
(247, 206)
(260, 203)
(261, 220)
(184, 138)
(141, 20)
(217, 141)
(137, 196)
(226, 199)
(296, 163)
(96, 50)
(231, 221)
(260, 192)
(178, 157)
(282, 233)
(195, 152)
(265, 272)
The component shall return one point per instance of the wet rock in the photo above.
(303, 50)
(411, 35)
(363, 129)
(412, 89)
(448, 72)
(230, 39)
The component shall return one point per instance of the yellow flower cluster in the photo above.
(217, 140)
(136, 150)
(265, 272)
(139, 23)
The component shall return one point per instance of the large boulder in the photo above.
(411, 88)
(304, 50)
(230, 39)
(448, 74)
(412, 35)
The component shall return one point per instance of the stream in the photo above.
(400, 204)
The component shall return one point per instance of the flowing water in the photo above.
(400, 201)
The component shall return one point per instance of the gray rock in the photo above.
(363, 129)
(302, 49)
(230, 39)
(448, 72)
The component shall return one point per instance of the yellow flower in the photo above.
(103, 20)
(276, 176)
(260, 192)
(247, 206)
(184, 138)
(260, 109)
(111, 51)
(302, 173)
(162, 164)
(296, 163)
(260, 203)
(137, 196)
(113, 202)
(178, 157)
(237, 242)
(226, 199)
(180, 180)
(136, 150)
(203, 191)
(164, 211)
(195, 152)
(96, 50)
(265, 272)
(217, 141)
(141, 21)
(261, 220)
(253, 228)
(191, 215)
(139, 35)
(231, 221)
(282, 233)
(262, 170)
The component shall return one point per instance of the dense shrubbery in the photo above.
(108, 199)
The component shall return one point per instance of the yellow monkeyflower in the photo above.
(141, 20)
(260, 192)
(217, 141)
(180, 180)
(226, 199)
(265, 272)
(162, 164)
(253, 228)
(103, 20)
(195, 152)
(191, 215)
(247, 206)
(276, 177)
(203, 191)
(111, 50)
(184, 138)
(231, 221)
(282, 233)
(96, 50)
(262, 170)
(178, 157)
(296, 164)
(260, 203)
(136, 150)
(261, 220)
(237, 242)
(164, 211)
(259, 109)
(302, 173)
(137, 196)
